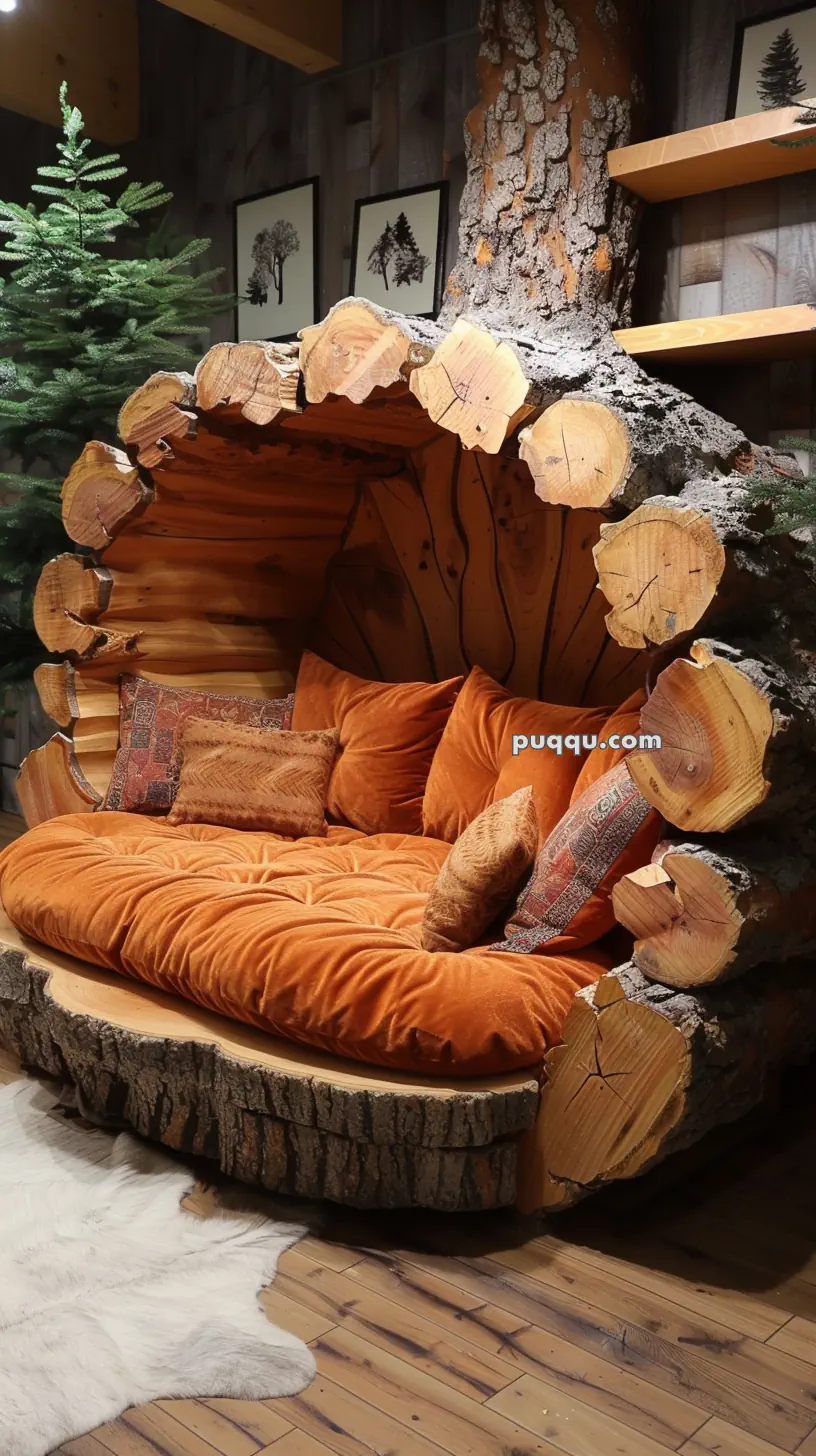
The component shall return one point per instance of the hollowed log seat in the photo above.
(390, 496)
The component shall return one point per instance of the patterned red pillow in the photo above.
(567, 902)
(151, 718)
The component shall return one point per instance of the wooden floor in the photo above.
(658, 1318)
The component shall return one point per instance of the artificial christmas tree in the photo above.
(780, 75)
(80, 327)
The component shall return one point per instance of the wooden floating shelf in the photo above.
(726, 154)
(763, 333)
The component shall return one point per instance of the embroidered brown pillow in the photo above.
(151, 719)
(481, 873)
(567, 904)
(247, 778)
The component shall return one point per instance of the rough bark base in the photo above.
(293, 1134)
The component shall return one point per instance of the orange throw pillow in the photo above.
(388, 736)
(248, 779)
(567, 904)
(481, 873)
(624, 720)
(474, 764)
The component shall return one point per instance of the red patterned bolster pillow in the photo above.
(567, 902)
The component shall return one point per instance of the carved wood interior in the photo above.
(364, 531)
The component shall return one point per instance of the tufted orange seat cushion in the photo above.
(317, 940)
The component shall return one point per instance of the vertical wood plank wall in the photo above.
(222, 121)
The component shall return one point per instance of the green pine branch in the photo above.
(91, 303)
(792, 498)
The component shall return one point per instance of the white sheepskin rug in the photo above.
(111, 1294)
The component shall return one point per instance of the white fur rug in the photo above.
(111, 1294)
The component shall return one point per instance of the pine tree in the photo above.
(382, 253)
(793, 498)
(780, 75)
(80, 328)
(410, 263)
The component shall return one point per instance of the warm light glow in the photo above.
(8, 5)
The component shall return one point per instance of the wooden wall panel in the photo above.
(457, 563)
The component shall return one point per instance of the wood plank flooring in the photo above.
(656, 1319)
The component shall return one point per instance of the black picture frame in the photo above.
(739, 42)
(314, 183)
(443, 189)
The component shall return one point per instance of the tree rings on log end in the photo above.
(160, 411)
(50, 782)
(660, 570)
(578, 453)
(685, 917)
(473, 386)
(614, 1091)
(354, 351)
(262, 378)
(715, 727)
(101, 492)
(71, 594)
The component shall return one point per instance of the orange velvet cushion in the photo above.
(624, 720)
(474, 764)
(481, 873)
(312, 939)
(249, 779)
(567, 904)
(388, 734)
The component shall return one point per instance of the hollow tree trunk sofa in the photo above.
(331, 499)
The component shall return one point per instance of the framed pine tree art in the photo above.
(774, 61)
(398, 249)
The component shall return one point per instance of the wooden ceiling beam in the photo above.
(306, 33)
(91, 44)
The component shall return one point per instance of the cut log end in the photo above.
(684, 914)
(711, 910)
(714, 726)
(473, 386)
(50, 782)
(355, 350)
(660, 570)
(578, 453)
(614, 1089)
(71, 594)
(54, 684)
(160, 411)
(262, 378)
(101, 492)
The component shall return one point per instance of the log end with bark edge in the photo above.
(715, 726)
(160, 411)
(473, 386)
(53, 683)
(578, 453)
(706, 912)
(50, 783)
(660, 569)
(71, 594)
(356, 349)
(262, 378)
(102, 491)
(645, 1071)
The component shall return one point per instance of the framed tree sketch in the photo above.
(774, 61)
(398, 250)
(276, 257)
